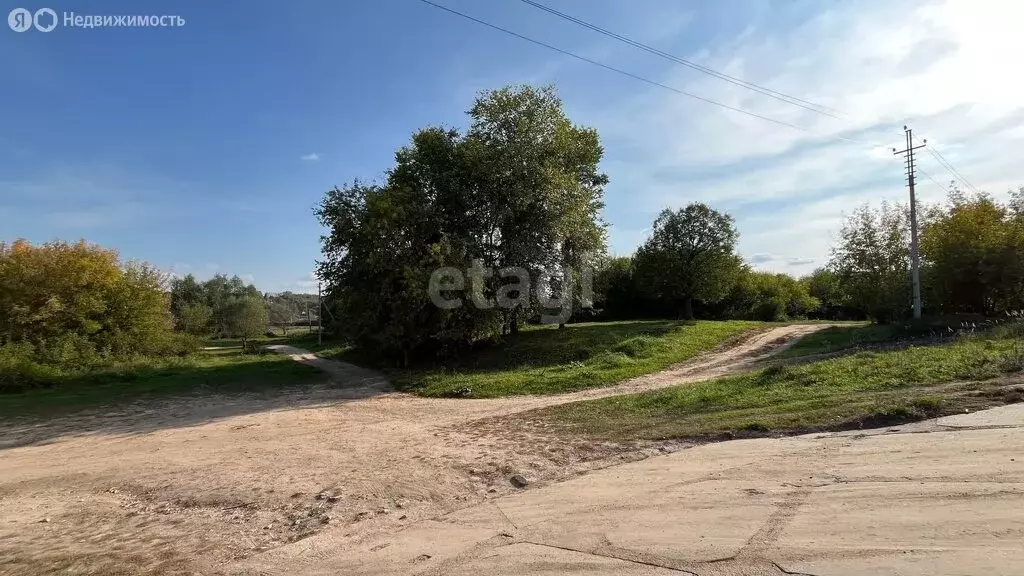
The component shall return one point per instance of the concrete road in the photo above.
(942, 497)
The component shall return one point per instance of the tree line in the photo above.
(228, 307)
(972, 262)
(689, 268)
(972, 258)
(69, 307)
(219, 307)
(521, 187)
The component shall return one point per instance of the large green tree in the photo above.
(542, 190)
(690, 255)
(521, 188)
(872, 260)
(247, 318)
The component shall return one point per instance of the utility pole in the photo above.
(915, 260)
(319, 317)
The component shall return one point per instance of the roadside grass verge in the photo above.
(836, 338)
(930, 330)
(327, 346)
(546, 360)
(863, 389)
(208, 371)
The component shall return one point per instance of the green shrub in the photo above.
(67, 350)
(70, 357)
(78, 304)
(19, 372)
(771, 310)
(182, 345)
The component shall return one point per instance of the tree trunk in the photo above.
(688, 308)
(513, 327)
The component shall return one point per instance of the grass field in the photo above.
(859, 389)
(222, 370)
(546, 360)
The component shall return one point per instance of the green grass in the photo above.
(546, 360)
(209, 371)
(836, 338)
(326, 346)
(855, 335)
(293, 336)
(860, 389)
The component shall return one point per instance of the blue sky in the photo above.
(204, 148)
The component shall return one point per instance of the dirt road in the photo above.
(190, 485)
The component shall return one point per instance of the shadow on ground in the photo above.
(150, 400)
(534, 347)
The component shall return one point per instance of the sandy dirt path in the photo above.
(188, 485)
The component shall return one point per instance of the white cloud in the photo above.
(942, 66)
(307, 284)
(311, 157)
(773, 260)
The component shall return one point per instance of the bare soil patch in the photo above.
(183, 486)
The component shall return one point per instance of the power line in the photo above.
(949, 166)
(945, 164)
(929, 176)
(806, 105)
(761, 89)
(630, 74)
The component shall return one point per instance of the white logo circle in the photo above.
(19, 19)
(53, 21)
